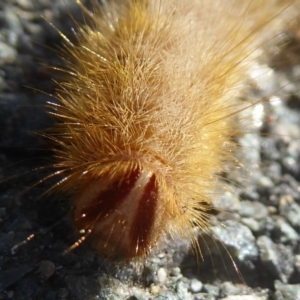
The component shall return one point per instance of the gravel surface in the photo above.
(260, 233)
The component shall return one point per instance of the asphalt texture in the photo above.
(253, 252)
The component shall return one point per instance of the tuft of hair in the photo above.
(146, 112)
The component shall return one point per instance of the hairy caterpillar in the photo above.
(139, 156)
(149, 134)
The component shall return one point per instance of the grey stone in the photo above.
(290, 210)
(195, 286)
(287, 234)
(166, 296)
(11, 276)
(245, 297)
(228, 288)
(252, 224)
(212, 290)
(277, 259)
(7, 54)
(286, 291)
(238, 239)
(253, 209)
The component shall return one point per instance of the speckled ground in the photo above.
(261, 234)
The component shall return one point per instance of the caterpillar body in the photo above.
(145, 115)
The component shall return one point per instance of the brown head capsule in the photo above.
(125, 214)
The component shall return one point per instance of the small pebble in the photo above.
(166, 296)
(46, 269)
(287, 233)
(2, 212)
(276, 259)
(10, 294)
(161, 275)
(237, 238)
(154, 289)
(228, 288)
(245, 297)
(252, 224)
(253, 209)
(212, 289)
(182, 290)
(265, 182)
(286, 291)
(290, 210)
(7, 54)
(195, 286)
(176, 271)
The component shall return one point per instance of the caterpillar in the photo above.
(147, 114)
